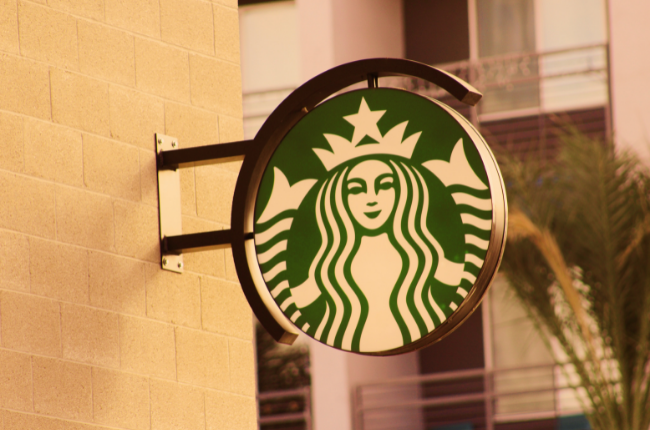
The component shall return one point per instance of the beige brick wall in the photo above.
(93, 335)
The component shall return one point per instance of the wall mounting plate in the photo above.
(169, 200)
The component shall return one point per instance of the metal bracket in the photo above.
(169, 200)
(169, 159)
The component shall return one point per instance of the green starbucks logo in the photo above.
(373, 220)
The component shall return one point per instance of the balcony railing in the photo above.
(286, 409)
(478, 398)
(529, 83)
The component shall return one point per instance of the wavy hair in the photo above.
(411, 301)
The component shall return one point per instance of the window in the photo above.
(270, 59)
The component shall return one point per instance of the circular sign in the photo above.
(379, 221)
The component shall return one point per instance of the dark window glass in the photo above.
(436, 31)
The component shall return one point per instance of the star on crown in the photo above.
(365, 124)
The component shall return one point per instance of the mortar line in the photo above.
(214, 31)
(31, 364)
(76, 23)
(18, 28)
(61, 329)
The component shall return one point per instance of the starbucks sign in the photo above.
(372, 220)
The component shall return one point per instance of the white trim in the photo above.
(472, 16)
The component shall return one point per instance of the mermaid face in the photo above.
(371, 193)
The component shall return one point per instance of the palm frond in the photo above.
(578, 257)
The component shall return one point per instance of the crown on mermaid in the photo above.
(365, 122)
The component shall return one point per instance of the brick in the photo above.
(202, 359)
(80, 102)
(90, 335)
(205, 262)
(187, 23)
(233, 166)
(135, 117)
(162, 70)
(231, 270)
(106, 53)
(58, 271)
(47, 35)
(62, 389)
(226, 33)
(214, 193)
(147, 347)
(13, 137)
(192, 126)
(14, 254)
(111, 167)
(18, 421)
(15, 381)
(30, 324)
(225, 310)
(136, 231)
(173, 298)
(216, 85)
(230, 129)
(53, 152)
(93, 9)
(120, 399)
(242, 367)
(138, 16)
(149, 177)
(26, 195)
(116, 283)
(24, 87)
(176, 406)
(84, 219)
(225, 411)
(9, 26)
(188, 191)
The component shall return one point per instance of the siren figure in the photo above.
(377, 259)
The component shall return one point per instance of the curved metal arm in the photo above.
(345, 75)
(327, 83)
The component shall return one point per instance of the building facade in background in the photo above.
(94, 334)
(541, 64)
